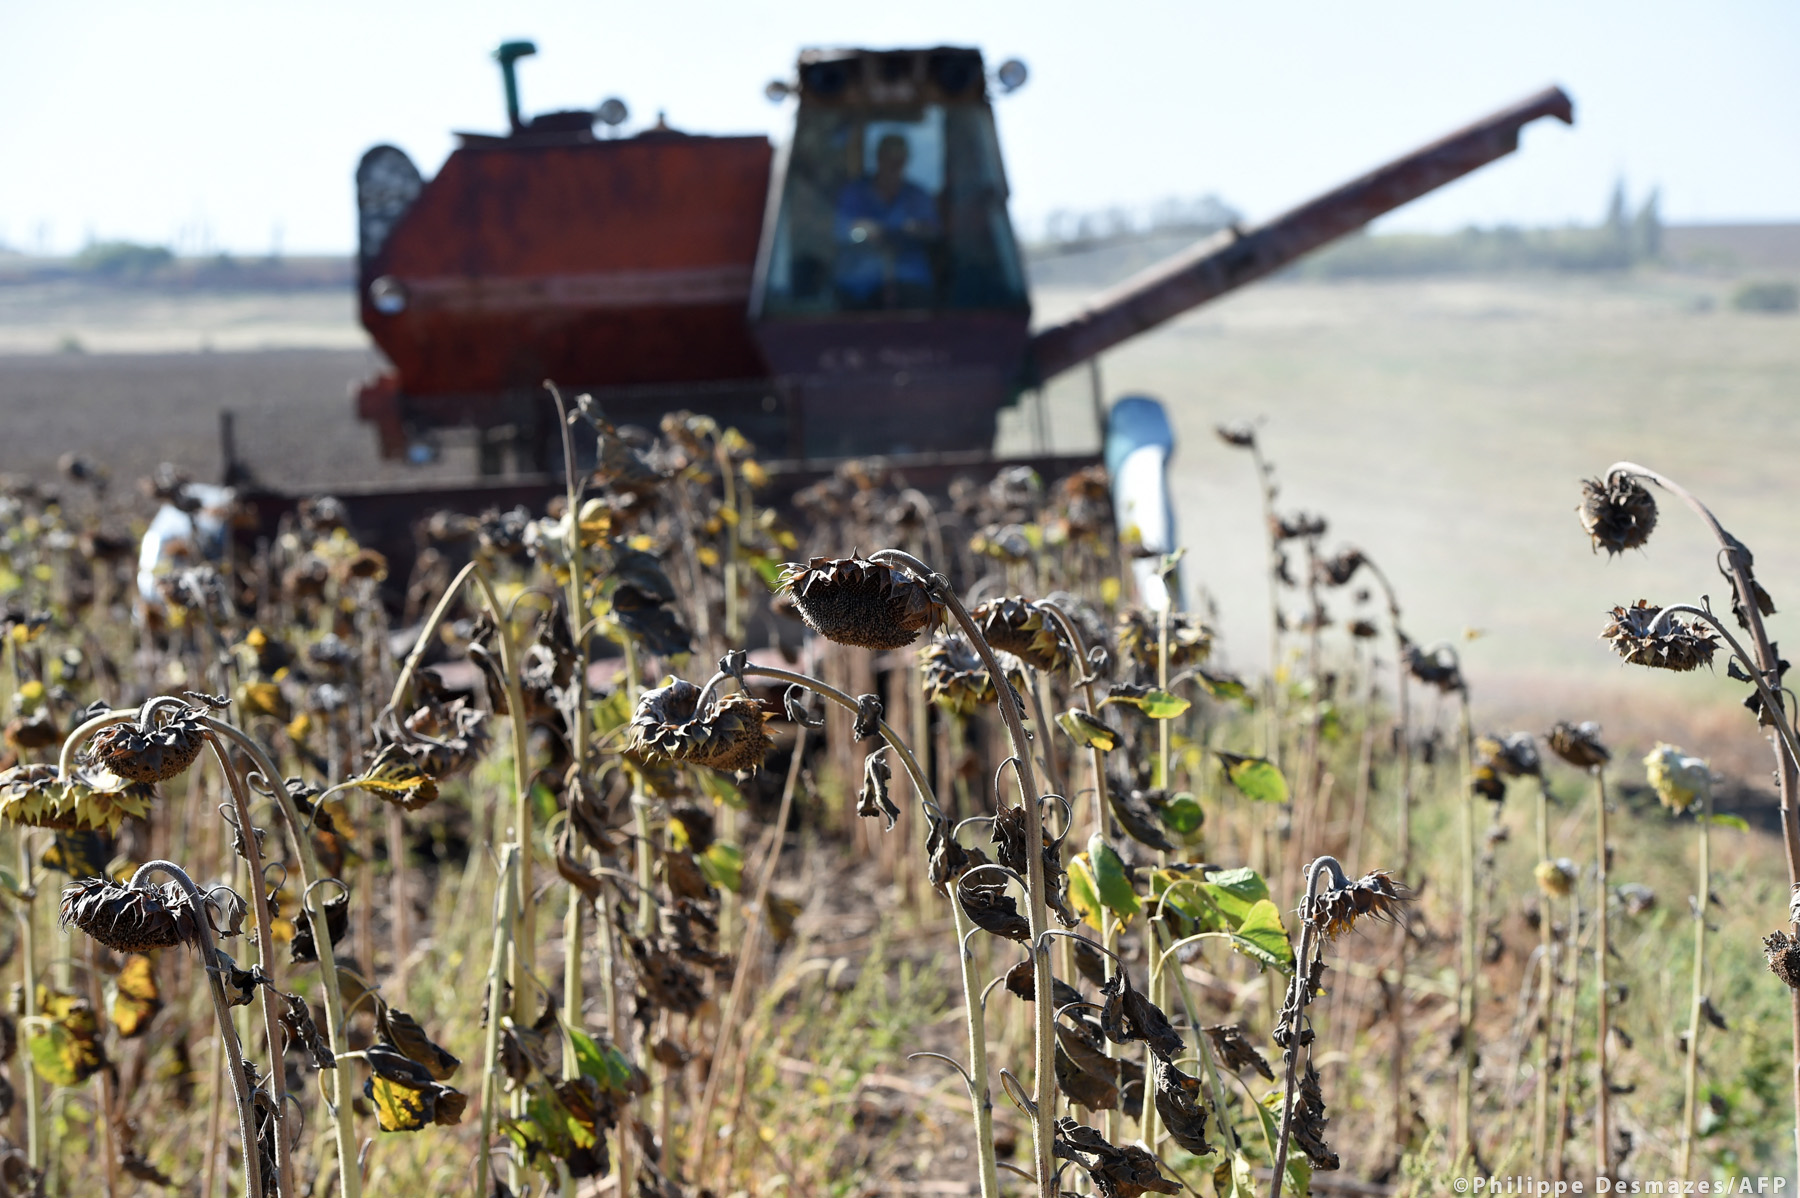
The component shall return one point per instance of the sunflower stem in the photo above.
(28, 977)
(1768, 662)
(1546, 975)
(1603, 999)
(1691, 1076)
(265, 951)
(234, 1055)
(1044, 1038)
(299, 834)
(507, 894)
(1299, 995)
(1468, 975)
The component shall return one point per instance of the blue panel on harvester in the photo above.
(1139, 443)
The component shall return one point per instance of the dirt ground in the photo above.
(1441, 425)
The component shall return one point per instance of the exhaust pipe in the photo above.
(507, 55)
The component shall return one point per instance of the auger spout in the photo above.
(1234, 257)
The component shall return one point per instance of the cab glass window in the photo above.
(893, 210)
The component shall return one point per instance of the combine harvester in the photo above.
(858, 291)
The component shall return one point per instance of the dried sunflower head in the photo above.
(153, 752)
(1084, 502)
(1025, 630)
(1139, 636)
(729, 735)
(1618, 512)
(1637, 897)
(1437, 666)
(1578, 744)
(1487, 783)
(1640, 637)
(443, 739)
(1783, 955)
(955, 675)
(1677, 778)
(34, 795)
(1339, 570)
(1514, 755)
(40, 797)
(131, 919)
(1556, 878)
(1298, 525)
(857, 602)
(1378, 895)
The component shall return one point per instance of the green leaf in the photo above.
(719, 787)
(1183, 814)
(723, 865)
(1256, 778)
(1731, 821)
(543, 803)
(1087, 731)
(1242, 883)
(1221, 686)
(605, 1065)
(1262, 938)
(612, 712)
(1157, 704)
(769, 569)
(1299, 1169)
(1111, 882)
(1082, 892)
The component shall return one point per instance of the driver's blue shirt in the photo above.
(863, 267)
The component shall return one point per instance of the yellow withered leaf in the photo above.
(398, 1107)
(395, 778)
(64, 1041)
(136, 999)
(264, 698)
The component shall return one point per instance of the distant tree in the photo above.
(1647, 229)
(1615, 209)
(123, 259)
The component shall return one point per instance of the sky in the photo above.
(215, 126)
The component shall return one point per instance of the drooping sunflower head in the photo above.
(1376, 895)
(1514, 755)
(1783, 955)
(1556, 878)
(154, 752)
(1677, 778)
(1025, 630)
(1618, 512)
(729, 735)
(39, 796)
(1140, 639)
(1643, 637)
(1578, 744)
(1436, 667)
(955, 675)
(131, 919)
(857, 602)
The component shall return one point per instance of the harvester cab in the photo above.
(889, 297)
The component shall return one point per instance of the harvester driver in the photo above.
(884, 222)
